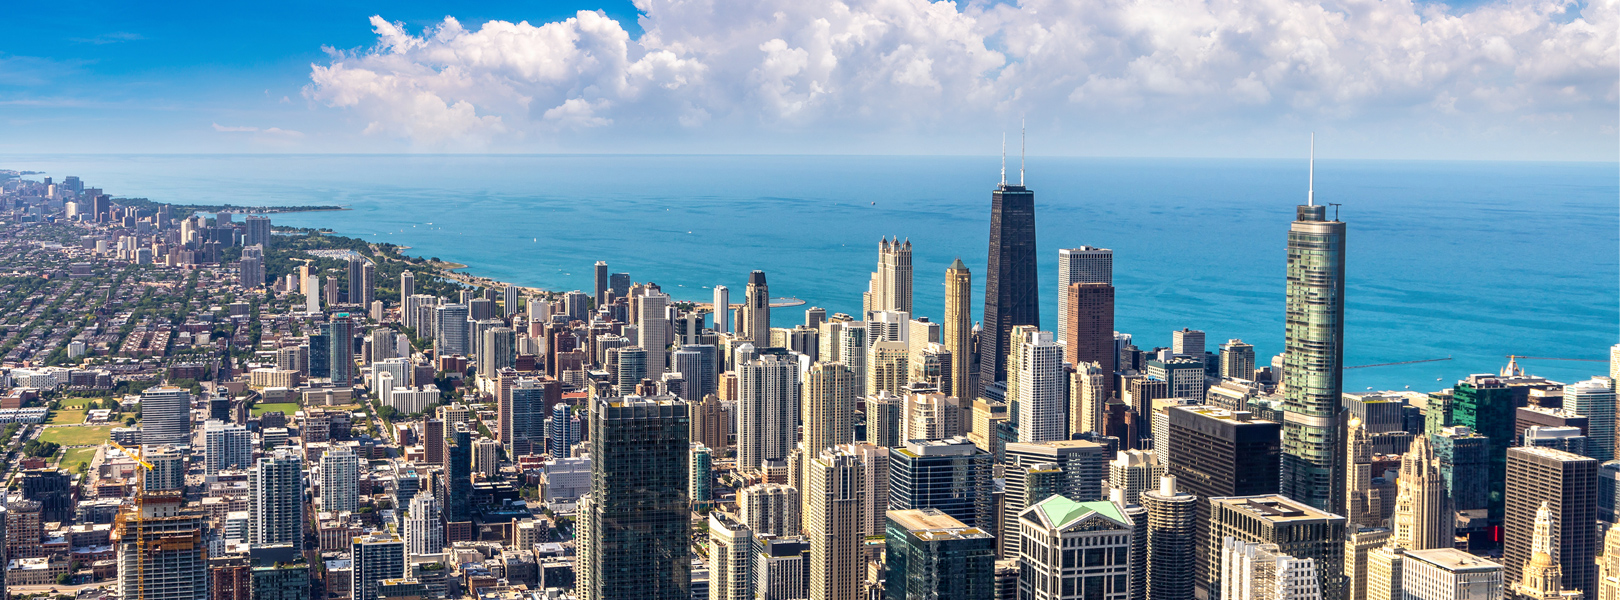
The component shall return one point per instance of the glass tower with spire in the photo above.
(1313, 469)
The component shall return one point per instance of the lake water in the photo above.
(1472, 260)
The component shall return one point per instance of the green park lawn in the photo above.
(77, 436)
(286, 408)
(66, 417)
(74, 456)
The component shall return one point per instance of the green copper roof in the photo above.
(958, 264)
(1062, 511)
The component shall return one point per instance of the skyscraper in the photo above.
(522, 418)
(1080, 265)
(731, 546)
(276, 499)
(768, 390)
(161, 554)
(601, 289)
(722, 309)
(829, 405)
(1237, 359)
(1219, 453)
(846, 500)
(457, 482)
(1171, 516)
(1542, 578)
(377, 556)
(166, 416)
(771, 508)
(407, 288)
(637, 537)
(1257, 571)
(1313, 357)
(497, 350)
(1297, 529)
(424, 532)
(956, 333)
(1449, 574)
(1567, 484)
(1594, 399)
(340, 350)
(1133, 472)
(228, 447)
(258, 232)
(890, 288)
(1035, 385)
(1011, 280)
(1088, 319)
(952, 476)
(928, 555)
(1074, 549)
(653, 329)
(754, 319)
(1484, 404)
(340, 476)
(450, 330)
(1423, 516)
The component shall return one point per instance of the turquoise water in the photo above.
(1472, 260)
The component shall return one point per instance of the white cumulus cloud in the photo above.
(913, 66)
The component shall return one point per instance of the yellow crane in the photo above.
(140, 533)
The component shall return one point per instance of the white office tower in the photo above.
(731, 546)
(1080, 265)
(383, 383)
(1262, 572)
(888, 326)
(340, 476)
(377, 556)
(722, 309)
(829, 404)
(890, 288)
(1074, 550)
(424, 532)
(275, 499)
(1450, 574)
(312, 293)
(653, 332)
(771, 508)
(165, 417)
(850, 345)
(1035, 382)
(1133, 472)
(847, 501)
(1541, 577)
(1594, 398)
(767, 404)
(1189, 342)
(227, 446)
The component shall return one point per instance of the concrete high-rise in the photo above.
(1080, 265)
(407, 288)
(1608, 564)
(1011, 278)
(1423, 516)
(161, 550)
(1218, 453)
(1297, 529)
(497, 350)
(424, 531)
(1188, 342)
(754, 319)
(1257, 571)
(890, 288)
(1313, 357)
(636, 534)
(1594, 399)
(767, 405)
(340, 477)
(1567, 484)
(846, 503)
(276, 499)
(340, 350)
(731, 545)
(1035, 385)
(1133, 472)
(450, 330)
(1449, 574)
(166, 416)
(1073, 468)
(258, 232)
(771, 508)
(1171, 516)
(928, 555)
(951, 475)
(1541, 577)
(1237, 359)
(722, 309)
(522, 417)
(1088, 398)
(956, 333)
(829, 405)
(228, 447)
(376, 556)
(653, 329)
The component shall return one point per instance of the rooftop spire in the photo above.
(1310, 193)
(1021, 137)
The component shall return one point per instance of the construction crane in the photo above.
(140, 533)
(1519, 356)
(1404, 362)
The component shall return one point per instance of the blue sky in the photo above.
(790, 76)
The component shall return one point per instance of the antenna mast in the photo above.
(1310, 194)
(1003, 158)
(1021, 145)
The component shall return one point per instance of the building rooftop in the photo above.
(1276, 508)
(1452, 559)
(1061, 511)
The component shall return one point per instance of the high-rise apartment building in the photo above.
(771, 508)
(636, 525)
(522, 417)
(928, 555)
(1237, 359)
(497, 350)
(731, 546)
(1088, 398)
(1133, 472)
(1011, 281)
(258, 232)
(165, 416)
(956, 333)
(161, 550)
(407, 288)
(340, 477)
(424, 532)
(887, 367)
(768, 390)
(276, 499)
(376, 556)
(1171, 524)
(952, 476)
(754, 318)
(228, 447)
(1035, 385)
(450, 330)
(340, 350)
(829, 405)
(1594, 399)
(1567, 484)
(722, 309)
(846, 502)
(1313, 357)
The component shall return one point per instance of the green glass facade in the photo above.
(1486, 406)
(640, 519)
(1313, 361)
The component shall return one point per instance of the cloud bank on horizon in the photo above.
(1524, 67)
